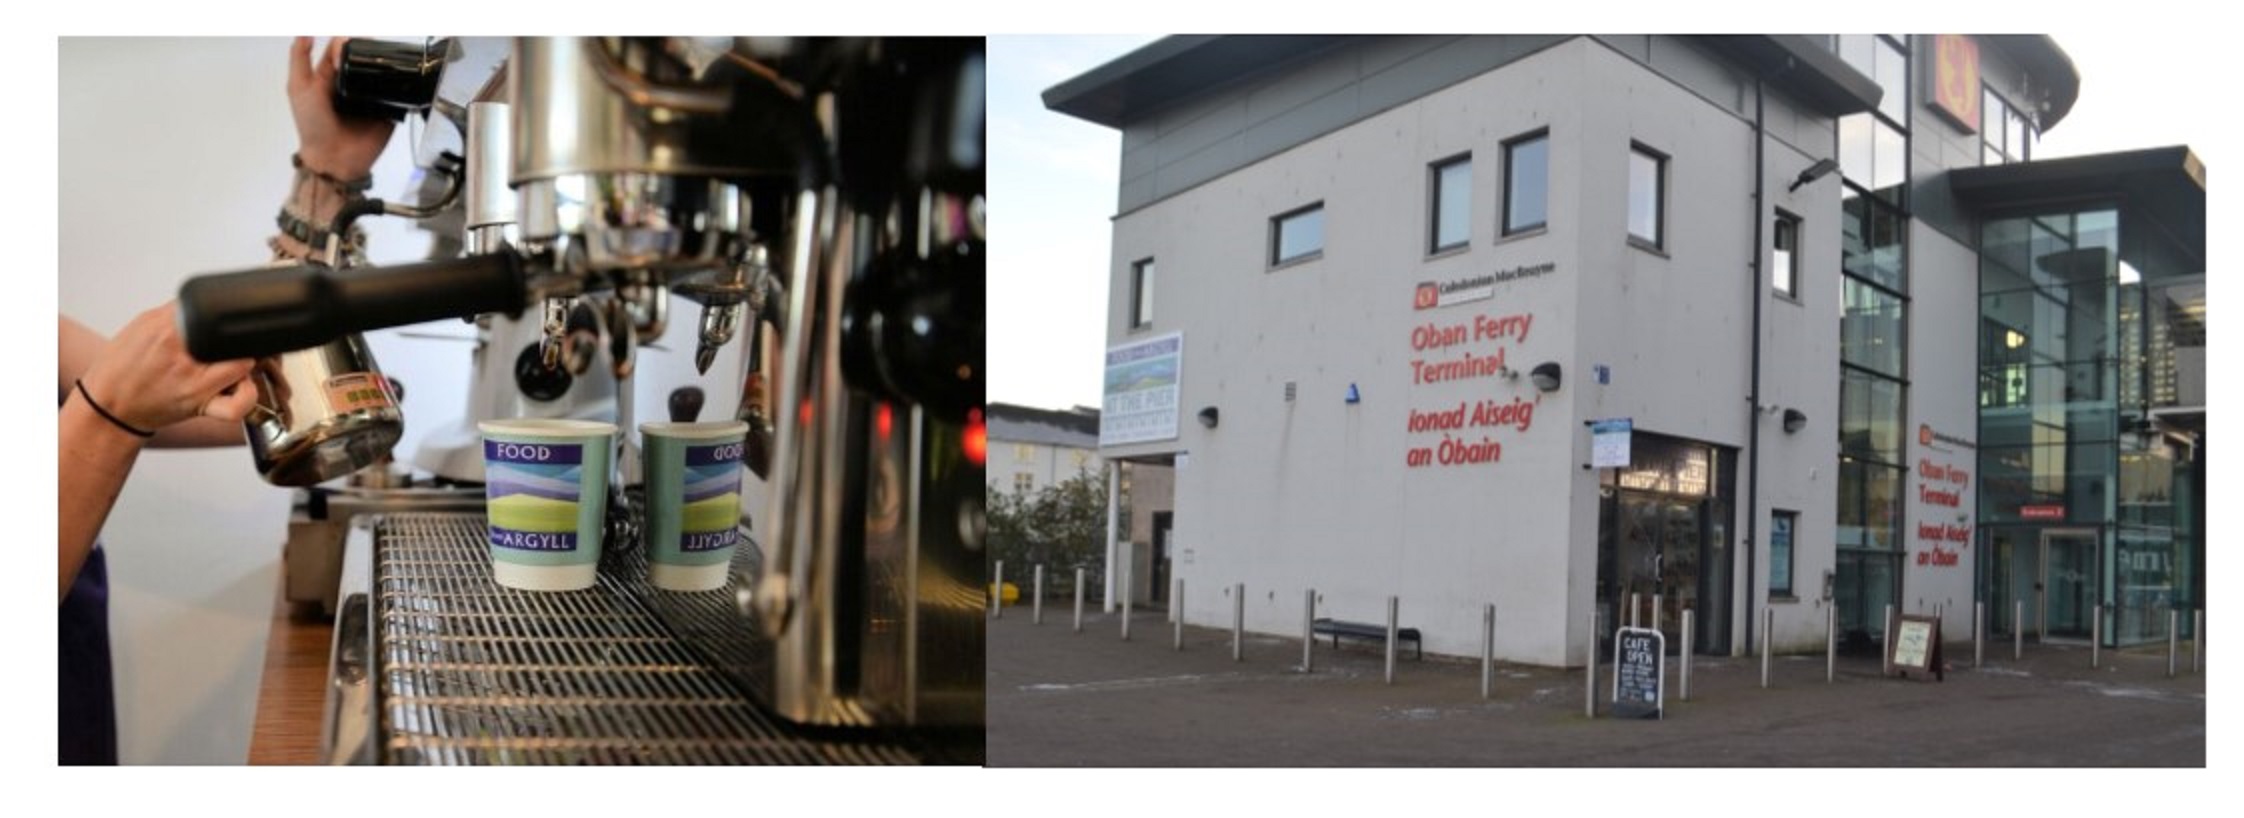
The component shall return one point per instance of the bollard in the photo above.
(1487, 647)
(2018, 632)
(1635, 601)
(2173, 639)
(1176, 607)
(2196, 640)
(1656, 601)
(1768, 621)
(2096, 637)
(1830, 644)
(1036, 605)
(1238, 620)
(1589, 669)
(1684, 658)
(1308, 628)
(1126, 600)
(1392, 603)
(1978, 634)
(1078, 600)
(1885, 644)
(997, 593)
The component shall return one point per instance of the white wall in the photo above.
(174, 159)
(1936, 571)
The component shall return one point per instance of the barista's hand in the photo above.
(146, 378)
(329, 144)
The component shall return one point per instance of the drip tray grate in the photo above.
(473, 673)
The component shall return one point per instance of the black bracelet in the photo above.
(105, 413)
(347, 186)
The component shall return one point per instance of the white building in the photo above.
(1369, 293)
(1031, 449)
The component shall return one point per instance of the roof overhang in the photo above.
(1804, 68)
(2047, 67)
(2166, 185)
(1174, 68)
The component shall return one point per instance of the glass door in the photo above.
(2069, 579)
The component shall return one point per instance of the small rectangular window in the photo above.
(1297, 235)
(1452, 202)
(1784, 255)
(1781, 526)
(1526, 183)
(1024, 483)
(1647, 195)
(1141, 294)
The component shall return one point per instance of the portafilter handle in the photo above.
(271, 310)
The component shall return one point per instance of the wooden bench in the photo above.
(1363, 630)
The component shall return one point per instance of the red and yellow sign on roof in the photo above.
(1955, 80)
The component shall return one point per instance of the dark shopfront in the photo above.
(1663, 540)
(2092, 436)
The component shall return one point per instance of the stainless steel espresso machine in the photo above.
(821, 201)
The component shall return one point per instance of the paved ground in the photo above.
(1063, 699)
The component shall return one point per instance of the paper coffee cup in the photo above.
(693, 501)
(546, 487)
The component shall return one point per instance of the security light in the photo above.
(1208, 417)
(1546, 376)
(1821, 168)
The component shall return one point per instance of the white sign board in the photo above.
(1609, 443)
(1142, 385)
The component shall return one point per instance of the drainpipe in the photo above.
(1753, 399)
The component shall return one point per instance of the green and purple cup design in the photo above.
(693, 502)
(546, 490)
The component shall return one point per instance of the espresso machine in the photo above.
(821, 201)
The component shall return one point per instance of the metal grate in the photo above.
(473, 673)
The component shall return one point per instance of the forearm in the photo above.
(96, 457)
(199, 433)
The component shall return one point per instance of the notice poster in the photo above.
(1142, 386)
(1609, 443)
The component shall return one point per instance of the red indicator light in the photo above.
(884, 420)
(976, 441)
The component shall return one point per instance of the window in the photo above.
(1784, 255)
(1141, 294)
(1647, 194)
(1871, 331)
(1024, 452)
(1452, 204)
(2005, 134)
(1023, 483)
(1526, 183)
(1298, 235)
(1781, 524)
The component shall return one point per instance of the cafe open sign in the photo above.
(1638, 680)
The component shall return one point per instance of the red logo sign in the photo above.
(1924, 435)
(1955, 86)
(2042, 512)
(1428, 296)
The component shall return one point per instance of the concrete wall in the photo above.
(1936, 568)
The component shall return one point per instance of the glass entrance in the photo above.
(2068, 565)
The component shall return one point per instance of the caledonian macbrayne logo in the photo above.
(1924, 435)
(1428, 296)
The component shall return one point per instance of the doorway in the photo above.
(2068, 577)
(1663, 547)
(1162, 521)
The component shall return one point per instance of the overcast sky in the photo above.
(1052, 185)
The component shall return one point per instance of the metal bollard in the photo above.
(1830, 644)
(2018, 632)
(1036, 605)
(1126, 602)
(1978, 634)
(1176, 606)
(1684, 658)
(1635, 602)
(2196, 640)
(1078, 600)
(1238, 620)
(997, 593)
(1308, 628)
(2096, 637)
(1885, 644)
(1392, 604)
(2173, 639)
(1589, 671)
(1656, 601)
(1487, 647)
(1768, 621)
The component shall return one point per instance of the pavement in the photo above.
(1059, 698)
